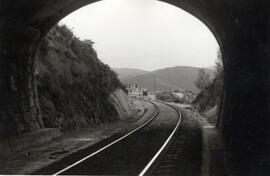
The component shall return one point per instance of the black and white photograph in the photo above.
(135, 87)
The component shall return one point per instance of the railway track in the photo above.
(149, 169)
(118, 140)
(135, 153)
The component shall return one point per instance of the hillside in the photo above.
(151, 82)
(169, 79)
(126, 73)
(75, 88)
(208, 100)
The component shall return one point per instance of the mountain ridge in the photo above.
(167, 79)
(124, 73)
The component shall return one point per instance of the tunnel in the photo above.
(241, 28)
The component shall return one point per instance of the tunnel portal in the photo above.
(240, 26)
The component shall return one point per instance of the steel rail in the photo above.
(149, 166)
(115, 141)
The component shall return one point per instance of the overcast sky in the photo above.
(144, 34)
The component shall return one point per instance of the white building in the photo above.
(134, 90)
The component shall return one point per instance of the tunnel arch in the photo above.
(197, 10)
(47, 14)
(203, 11)
(240, 26)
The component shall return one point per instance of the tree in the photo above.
(203, 79)
(219, 65)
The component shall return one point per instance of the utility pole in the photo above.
(155, 83)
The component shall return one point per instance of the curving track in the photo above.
(135, 153)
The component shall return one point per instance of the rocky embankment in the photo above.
(122, 103)
(76, 90)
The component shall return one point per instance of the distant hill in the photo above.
(168, 79)
(125, 73)
(151, 82)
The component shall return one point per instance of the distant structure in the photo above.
(152, 95)
(133, 90)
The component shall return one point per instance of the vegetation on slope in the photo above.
(209, 98)
(74, 85)
(176, 96)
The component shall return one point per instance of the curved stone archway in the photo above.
(240, 26)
